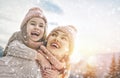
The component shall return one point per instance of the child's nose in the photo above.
(37, 27)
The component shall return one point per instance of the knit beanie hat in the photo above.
(70, 31)
(33, 12)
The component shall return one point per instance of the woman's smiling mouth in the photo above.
(55, 45)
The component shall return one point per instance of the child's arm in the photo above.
(18, 49)
(44, 63)
(53, 60)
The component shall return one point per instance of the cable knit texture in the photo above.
(14, 65)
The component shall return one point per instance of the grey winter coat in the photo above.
(19, 62)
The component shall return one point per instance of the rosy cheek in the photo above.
(66, 49)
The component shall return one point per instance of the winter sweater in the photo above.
(19, 62)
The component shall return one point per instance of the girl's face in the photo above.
(58, 44)
(35, 29)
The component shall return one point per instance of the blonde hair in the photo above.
(71, 32)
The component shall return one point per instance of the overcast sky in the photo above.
(97, 21)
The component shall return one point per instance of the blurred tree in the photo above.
(91, 72)
(118, 68)
(112, 71)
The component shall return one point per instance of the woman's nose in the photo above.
(57, 39)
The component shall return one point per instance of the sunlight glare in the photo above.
(91, 61)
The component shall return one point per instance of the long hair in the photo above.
(66, 70)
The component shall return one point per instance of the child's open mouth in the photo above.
(35, 33)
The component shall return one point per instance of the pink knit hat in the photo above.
(71, 32)
(33, 12)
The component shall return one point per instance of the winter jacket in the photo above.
(19, 62)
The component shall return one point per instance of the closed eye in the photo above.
(32, 23)
(54, 34)
(41, 26)
(64, 38)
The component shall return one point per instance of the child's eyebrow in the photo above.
(41, 23)
(32, 21)
(35, 22)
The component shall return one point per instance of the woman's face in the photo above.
(35, 29)
(58, 44)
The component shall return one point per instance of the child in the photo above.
(20, 56)
(22, 35)
(60, 44)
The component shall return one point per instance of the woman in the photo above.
(60, 45)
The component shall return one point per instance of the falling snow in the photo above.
(98, 24)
